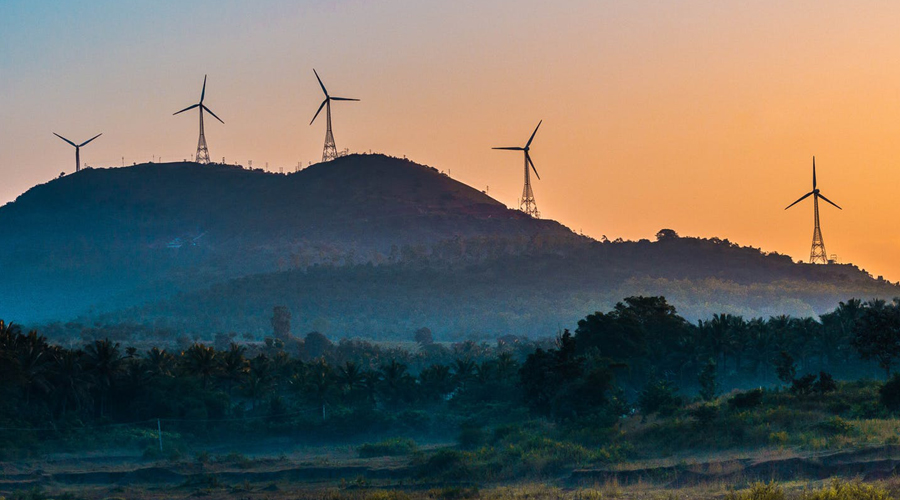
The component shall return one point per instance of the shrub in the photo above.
(389, 448)
(445, 464)
(836, 425)
(825, 384)
(705, 414)
(890, 393)
(803, 386)
(471, 436)
(659, 397)
(759, 491)
(746, 400)
(844, 490)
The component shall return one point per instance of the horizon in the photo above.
(722, 105)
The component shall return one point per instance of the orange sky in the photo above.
(698, 116)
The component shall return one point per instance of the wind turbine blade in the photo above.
(814, 173)
(533, 133)
(203, 92)
(185, 109)
(511, 149)
(89, 140)
(319, 111)
(210, 112)
(798, 201)
(343, 99)
(528, 157)
(320, 84)
(63, 138)
(829, 201)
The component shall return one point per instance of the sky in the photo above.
(699, 116)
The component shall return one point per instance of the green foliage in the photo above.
(746, 400)
(759, 491)
(659, 397)
(388, 448)
(848, 490)
(890, 393)
(708, 384)
(785, 367)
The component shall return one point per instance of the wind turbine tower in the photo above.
(527, 204)
(330, 151)
(817, 253)
(202, 149)
(77, 148)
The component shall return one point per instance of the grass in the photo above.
(389, 448)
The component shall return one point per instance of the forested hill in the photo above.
(364, 245)
(466, 289)
(120, 236)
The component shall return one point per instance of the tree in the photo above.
(666, 234)
(877, 334)
(423, 336)
(316, 345)
(201, 361)
(281, 322)
(103, 362)
(709, 387)
(785, 367)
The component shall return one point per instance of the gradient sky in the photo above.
(701, 116)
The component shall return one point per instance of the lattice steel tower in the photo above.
(330, 151)
(817, 253)
(202, 148)
(527, 203)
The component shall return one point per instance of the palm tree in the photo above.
(71, 385)
(202, 361)
(234, 366)
(350, 379)
(159, 363)
(104, 362)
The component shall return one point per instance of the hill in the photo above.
(365, 245)
(113, 237)
(534, 290)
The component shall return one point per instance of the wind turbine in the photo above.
(77, 148)
(330, 151)
(528, 205)
(817, 253)
(202, 150)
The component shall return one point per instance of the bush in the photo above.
(446, 465)
(659, 397)
(836, 425)
(389, 448)
(889, 394)
(705, 414)
(825, 384)
(844, 490)
(746, 400)
(471, 436)
(803, 386)
(759, 491)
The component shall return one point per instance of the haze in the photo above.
(697, 116)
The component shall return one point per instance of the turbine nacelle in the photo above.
(77, 148)
(328, 98)
(526, 149)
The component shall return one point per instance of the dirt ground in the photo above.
(337, 473)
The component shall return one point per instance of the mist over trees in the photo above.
(640, 355)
